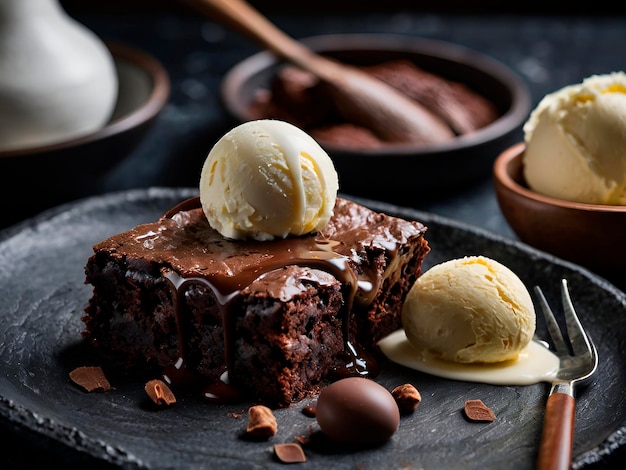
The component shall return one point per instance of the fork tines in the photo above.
(579, 342)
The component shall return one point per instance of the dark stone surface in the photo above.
(46, 420)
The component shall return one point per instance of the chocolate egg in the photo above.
(356, 410)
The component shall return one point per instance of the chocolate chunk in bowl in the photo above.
(452, 76)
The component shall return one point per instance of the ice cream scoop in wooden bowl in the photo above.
(563, 190)
(349, 91)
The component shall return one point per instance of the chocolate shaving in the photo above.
(159, 392)
(289, 453)
(91, 379)
(476, 410)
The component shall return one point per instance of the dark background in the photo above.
(355, 6)
(547, 50)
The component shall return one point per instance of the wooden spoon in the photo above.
(359, 97)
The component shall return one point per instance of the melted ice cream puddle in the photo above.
(536, 363)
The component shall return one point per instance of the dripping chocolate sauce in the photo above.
(302, 251)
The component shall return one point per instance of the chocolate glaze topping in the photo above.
(190, 247)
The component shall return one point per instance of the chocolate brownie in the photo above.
(277, 319)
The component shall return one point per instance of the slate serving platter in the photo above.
(47, 419)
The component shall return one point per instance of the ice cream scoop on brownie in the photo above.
(272, 311)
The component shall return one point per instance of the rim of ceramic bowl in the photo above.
(437, 49)
(153, 104)
(511, 159)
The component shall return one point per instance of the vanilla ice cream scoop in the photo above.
(267, 179)
(576, 142)
(469, 310)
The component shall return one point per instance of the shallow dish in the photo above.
(403, 167)
(588, 234)
(67, 170)
(42, 298)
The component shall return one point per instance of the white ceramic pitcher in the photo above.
(57, 78)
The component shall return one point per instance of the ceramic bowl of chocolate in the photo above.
(480, 102)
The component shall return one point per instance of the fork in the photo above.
(578, 361)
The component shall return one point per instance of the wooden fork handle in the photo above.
(557, 438)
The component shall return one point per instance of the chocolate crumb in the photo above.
(159, 392)
(91, 379)
(476, 410)
(407, 397)
(261, 422)
(290, 453)
(309, 411)
(304, 440)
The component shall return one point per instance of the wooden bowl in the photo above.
(413, 169)
(591, 235)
